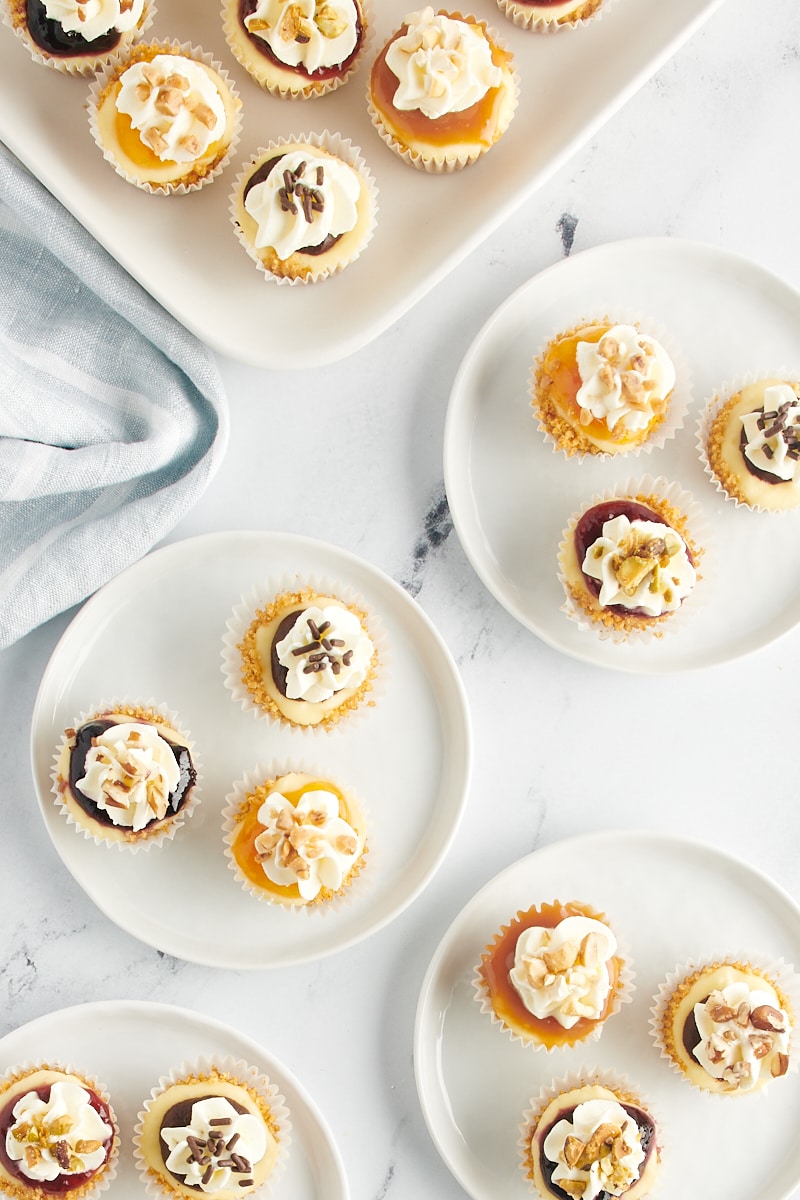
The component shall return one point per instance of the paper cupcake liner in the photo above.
(712, 407)
(623, 993)
(778, 972)
(85, 64)
(673, 495)
(141, 840)
(364, 866)
(342, 148)
(444, 163)
(305, 89)
(592, 1077)
(678, 406)
(108, 1171)
(522, 16)
(112, 68)
(244, 615)
(257, 1084)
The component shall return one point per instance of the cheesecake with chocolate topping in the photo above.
(211, 1131)
(296, 839)
(304, 208)
(307, 659)
(726, 1026)
(753, 445)
(58, 1135)
(591, 1141)
(125, 776)
(297, 49)
(546, 15)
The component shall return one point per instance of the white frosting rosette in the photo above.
(564, 992)
(682, 392)
(262, 1094)
(68, 1098)
(570, 14)
(712, 407)
(459, 72)
(148, 764)
(608, 1109)
(311, 834)
(780, 980)
(675, 497)
(101, 17)
(349, 191)
(256, 600)
(330, 43)
(226, 111)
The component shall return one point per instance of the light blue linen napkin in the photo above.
(112, 415)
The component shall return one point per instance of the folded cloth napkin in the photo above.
(112, 415)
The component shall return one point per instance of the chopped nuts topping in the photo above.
(767, 1017)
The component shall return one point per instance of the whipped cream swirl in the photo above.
(63, 1135)
(305, 199)
(93, 18)
(598, 1148)
(130, 772)
(218, 1148)
(744, 1035)
(309, 844)
(310, 34)
(772, 434)
(174, 105)
(326, 651)
(442, 65)
(564, 972)
(641, 565)
(625, 378)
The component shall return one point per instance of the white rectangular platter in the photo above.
(183, 250)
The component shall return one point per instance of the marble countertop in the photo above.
(704, 151)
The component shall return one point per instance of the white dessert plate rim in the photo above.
(167, 244)
(578, 868)
(147, 613)
(490, 428)
(97, 1038)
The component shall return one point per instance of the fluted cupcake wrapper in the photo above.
(675, 497)
(265, 1094)
(682, 392)
(361, 873)
(341, 148)
(711, 409)
(77, 66)
(523, 16)
(775, 971)
(245, 615)
(456, 159)
(107, 1173)
(141, 840)
(302, 88)
(623, 994)
(118, 62)
(589, 1076)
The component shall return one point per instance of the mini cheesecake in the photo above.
(209, 1133)
(307, 659)
(591, 1135)
(753, 446)
(58, 1135)
(295, 840)
(125, 776)
(549, 14)
(74, 37)
(299, 50)
(165, 117)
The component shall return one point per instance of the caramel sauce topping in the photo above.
(498, 962)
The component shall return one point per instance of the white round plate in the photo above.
(511, 496)
(670, 899)
(127, 1045)
(155, 633)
